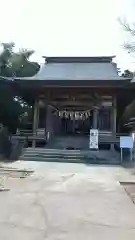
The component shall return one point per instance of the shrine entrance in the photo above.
(76, 115)
(76, 123)
(67, 112)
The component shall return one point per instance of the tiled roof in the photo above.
(77, 68)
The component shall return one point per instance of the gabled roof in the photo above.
(77, 68)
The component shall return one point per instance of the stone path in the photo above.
(67, 201)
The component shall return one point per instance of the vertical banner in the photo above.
(93, 143)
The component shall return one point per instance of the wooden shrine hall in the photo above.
(71, 95)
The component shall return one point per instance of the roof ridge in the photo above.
(78, 59)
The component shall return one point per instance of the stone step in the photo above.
(65, 151)
(70, 160)
(56, 150)
(55, 155)
(72, 154)
(65, 154)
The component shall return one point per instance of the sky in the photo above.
(68, 27)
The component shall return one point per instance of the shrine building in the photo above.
(71, 95)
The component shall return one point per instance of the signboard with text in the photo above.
(126, 142)
(93, 143)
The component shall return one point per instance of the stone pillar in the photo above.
(35, 121)
(95, 118)
(113, 119)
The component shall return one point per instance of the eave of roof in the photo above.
(2, 78)
(81, 83)
(120, 82)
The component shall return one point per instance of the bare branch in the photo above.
(130, 47)
(127, 27)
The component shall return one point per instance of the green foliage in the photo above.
(5, 55)
(14, 64)
(127, 74)
(10, 110)
(28, 69)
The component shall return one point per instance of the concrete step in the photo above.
(86, 161)
(75, 151)
(57, 155)
(66, 154)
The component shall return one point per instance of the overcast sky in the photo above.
(67, 27)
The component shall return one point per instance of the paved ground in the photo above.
(67, 202)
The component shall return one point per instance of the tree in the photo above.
(5, 55)
(130, 47)
(130, 29)
(14, 64)
(17, 63)
(127, 74)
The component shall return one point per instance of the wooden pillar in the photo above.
(73, 124)
(113, 119)
(35, 121)
(95, 118)
(49, 122)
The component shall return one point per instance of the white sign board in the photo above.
(126, 142)
(93, 144)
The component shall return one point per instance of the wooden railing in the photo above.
(105, 137)
(109, 138)
(28, 135)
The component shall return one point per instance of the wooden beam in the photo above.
(113, 118)
(69, 102)
(74, 108)
(35, 121)
(95, 118)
